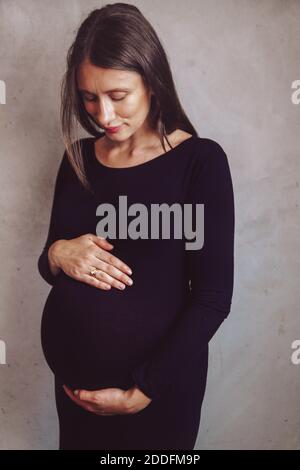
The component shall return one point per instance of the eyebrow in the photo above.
(107, 91)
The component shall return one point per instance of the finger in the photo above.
(108, 279)
(104, 277)
(85, 395)
(101, 241)
(105, 282)
(90, 401)
(114, 261)
(77, 400)
(114, 274)
(70, 394)
(92, 281)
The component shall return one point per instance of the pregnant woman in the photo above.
(126, 325)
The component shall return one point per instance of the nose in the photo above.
(105, 114)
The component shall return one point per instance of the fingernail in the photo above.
(129, 271)
(76, 392)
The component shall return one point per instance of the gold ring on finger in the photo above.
(93, 272)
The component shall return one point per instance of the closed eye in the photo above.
(94, 99)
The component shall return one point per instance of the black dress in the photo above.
(155, 333)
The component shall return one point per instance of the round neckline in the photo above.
(162, 156)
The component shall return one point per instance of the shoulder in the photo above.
(209, 146)
(208, 163)
(205, 147)
(209, 152)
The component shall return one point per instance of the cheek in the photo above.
(90, 107)
(136, 107)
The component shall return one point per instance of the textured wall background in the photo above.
(233, 62)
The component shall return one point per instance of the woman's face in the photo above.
(113, 98)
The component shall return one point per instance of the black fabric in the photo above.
(155, 333)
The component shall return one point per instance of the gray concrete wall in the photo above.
(234, 63)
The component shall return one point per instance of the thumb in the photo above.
(101, 241)
(84, 395)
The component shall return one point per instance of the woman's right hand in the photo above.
(76, 257)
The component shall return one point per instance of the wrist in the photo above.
(53, 254)
(130, 395)
(135, 397)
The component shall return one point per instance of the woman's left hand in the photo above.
(110, 401)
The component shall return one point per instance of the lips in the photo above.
(113, 129)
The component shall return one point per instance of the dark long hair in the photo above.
(118, 36)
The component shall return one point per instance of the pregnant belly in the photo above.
(93, 338)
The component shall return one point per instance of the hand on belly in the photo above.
(110, 401)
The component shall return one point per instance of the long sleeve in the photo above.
(211, 274)
(54, 231)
